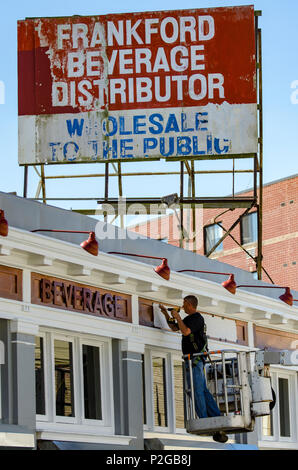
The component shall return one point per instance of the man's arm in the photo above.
(167, 316)
(182, 327)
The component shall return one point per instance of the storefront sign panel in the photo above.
(67, 295)
(11, 283)
(138, 85)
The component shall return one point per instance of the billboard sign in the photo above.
(119, 87)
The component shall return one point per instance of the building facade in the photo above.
(83, 362)
(280, 233)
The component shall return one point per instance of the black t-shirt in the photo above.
(195, 322)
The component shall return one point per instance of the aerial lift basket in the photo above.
(241, 390)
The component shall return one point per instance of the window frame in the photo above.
(45, 417)
(220, 247)
(77, 423)
(68, 339)
(250, 215)
(292, 378)
(162, 355)
(177, 357)
(292, 399)
(282, 377)
(170, 357)
(104, 388)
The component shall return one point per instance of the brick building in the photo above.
(280, 233)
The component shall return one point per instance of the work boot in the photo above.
(220, 436)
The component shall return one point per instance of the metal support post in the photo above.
(260, 203)
(43, 184)
(194, 231)
(25, 188)
(193, 409)
(181, 207)
(234, 383)
(120, 192)
(225, 382)
(216, 383)
(106, 188)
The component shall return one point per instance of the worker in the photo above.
(194, 341)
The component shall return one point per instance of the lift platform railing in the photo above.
(239, 382)
(226, 373)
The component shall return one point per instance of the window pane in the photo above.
(284, 410)
(212, 234)
(92, 390)
(249, 228)
(159, 392)
(39, 377)
(63, 378)
(178, 391)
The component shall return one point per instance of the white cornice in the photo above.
(53, 257)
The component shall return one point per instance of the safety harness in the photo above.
(196, 347)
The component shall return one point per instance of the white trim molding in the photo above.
(24, 327)
(132, 346)
(82, 437)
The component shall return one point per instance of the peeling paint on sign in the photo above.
(139, 85)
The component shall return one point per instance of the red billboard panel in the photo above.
(138, 85)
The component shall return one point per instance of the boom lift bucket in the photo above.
(240, 388)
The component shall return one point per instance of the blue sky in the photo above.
(279, 23)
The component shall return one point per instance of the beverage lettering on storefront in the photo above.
(71, 296)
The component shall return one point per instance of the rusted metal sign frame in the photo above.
(258, 170)
(260, 162)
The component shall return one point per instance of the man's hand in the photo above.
(163, 309)
(176, 315)
(172, 325)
